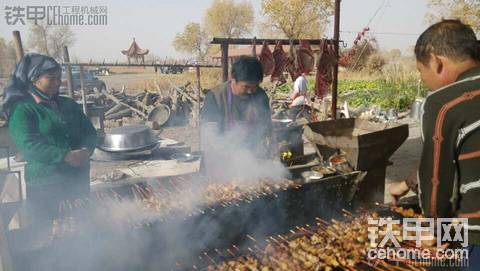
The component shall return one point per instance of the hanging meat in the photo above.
(291, 69)
(281, 61)
(347, 55)
(305, 58)
(291, 66)
(325, 64)
(266, 58)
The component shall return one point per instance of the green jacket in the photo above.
(44, 136)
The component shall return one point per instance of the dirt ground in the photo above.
(405, 159)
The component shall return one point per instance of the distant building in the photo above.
(135, 52)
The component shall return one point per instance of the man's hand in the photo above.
(398, 190)
(77, 158)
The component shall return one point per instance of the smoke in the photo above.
(168, 224)
(238, 154)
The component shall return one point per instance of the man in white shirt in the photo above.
(299, 94)
(299, 98)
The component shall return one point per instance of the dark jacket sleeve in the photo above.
(210, 111)
(265, 115)
(437, 168)
(30, 142)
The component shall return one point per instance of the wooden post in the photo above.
(66, 58)
(224, 48)
(82, 87)
(336, 38)
(17, 40)
(254, 47)
(199, 89)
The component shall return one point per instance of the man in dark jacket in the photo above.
(236, 119)
(240, 104)
(448, 182)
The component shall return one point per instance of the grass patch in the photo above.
(386, 94)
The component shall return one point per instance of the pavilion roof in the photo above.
(135, 50)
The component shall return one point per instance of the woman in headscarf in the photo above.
(54, 136)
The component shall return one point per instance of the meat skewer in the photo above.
(337, 245)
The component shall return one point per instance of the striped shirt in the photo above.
(449, 171)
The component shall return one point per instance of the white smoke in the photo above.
(230, 156)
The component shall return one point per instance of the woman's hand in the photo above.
(398, 190)
(77, 158)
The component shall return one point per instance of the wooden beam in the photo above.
(66, 58)
(17, 41)
(92, 64)
(224, 48)
(269, 41)
(336, 36)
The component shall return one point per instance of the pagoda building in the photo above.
(135, 52)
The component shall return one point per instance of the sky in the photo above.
(395, 24)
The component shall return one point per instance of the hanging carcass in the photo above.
(303, 62)
(325, 64)
(266, 58)
(305, 58)
(281, 61)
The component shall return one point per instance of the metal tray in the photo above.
(128, 138)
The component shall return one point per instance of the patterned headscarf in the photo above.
(29, 69)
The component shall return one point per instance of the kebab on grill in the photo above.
(406, 212)
(339, 245)
(161, 201)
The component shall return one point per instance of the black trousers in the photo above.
(40, 208)
(43, 201)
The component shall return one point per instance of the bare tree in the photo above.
(7, 58)
(38, 37)
(60, 36)
(50, 40)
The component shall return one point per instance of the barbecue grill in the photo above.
(175, 240)
(224, 223)
(367, 147)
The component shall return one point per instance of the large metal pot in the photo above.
(129, 138)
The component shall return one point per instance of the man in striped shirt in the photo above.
(448, 179)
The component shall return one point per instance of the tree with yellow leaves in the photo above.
(468, 11)
(229, 18)
(298, 19)
(193, 40)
